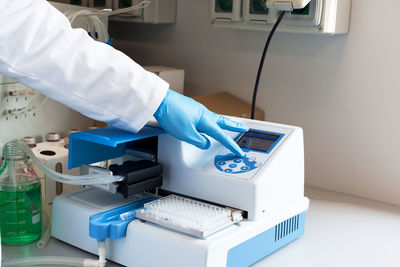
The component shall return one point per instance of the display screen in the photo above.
(259, 141)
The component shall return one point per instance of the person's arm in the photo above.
(39, 48)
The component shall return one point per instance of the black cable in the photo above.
(271, 34)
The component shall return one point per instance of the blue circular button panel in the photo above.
(231, 164)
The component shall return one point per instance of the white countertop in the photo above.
(341, 230)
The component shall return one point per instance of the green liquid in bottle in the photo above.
(20, 214)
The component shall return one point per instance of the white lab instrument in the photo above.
(213, 209)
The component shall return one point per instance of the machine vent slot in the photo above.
(287, 227)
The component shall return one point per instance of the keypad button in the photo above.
(232, 166)
(237, 160)
(245, 168)
(221, 163)
(228, 170)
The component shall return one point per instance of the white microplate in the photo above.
(185, 213)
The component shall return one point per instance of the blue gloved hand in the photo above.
(184, 118)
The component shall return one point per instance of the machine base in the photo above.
(146, 244)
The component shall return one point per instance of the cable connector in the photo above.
(287, 5)
(284, 6)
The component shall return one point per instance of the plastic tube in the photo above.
(43, 261)
(64, 261)
(44, 239)
(90, 179)
(102, 254)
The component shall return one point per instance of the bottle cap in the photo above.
(52, 137)
(29, 140)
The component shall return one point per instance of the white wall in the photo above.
(343, 90)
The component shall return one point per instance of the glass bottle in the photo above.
(20, 198)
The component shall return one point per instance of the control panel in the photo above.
(258, 146)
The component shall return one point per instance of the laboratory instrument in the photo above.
(20, 197)
(192, 207)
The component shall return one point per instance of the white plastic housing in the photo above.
(58, 162)
(172, 248)
(276, 184)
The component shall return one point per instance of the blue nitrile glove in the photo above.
(184, 118)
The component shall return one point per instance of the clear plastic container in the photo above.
(20, 198)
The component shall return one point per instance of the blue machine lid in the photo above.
(103, 143)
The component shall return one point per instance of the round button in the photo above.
(257, 164)
(252, 159)
(237, 160)
(232, 165)
(221, 163)
(228, 170)
(245, 168)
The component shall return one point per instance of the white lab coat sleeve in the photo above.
(39, 49)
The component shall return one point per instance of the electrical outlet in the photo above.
(326, 17)
(255, 11)
(226, 10)
(309, 16)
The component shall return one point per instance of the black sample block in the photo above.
(139, 176)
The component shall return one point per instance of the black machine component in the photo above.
(140, 176)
